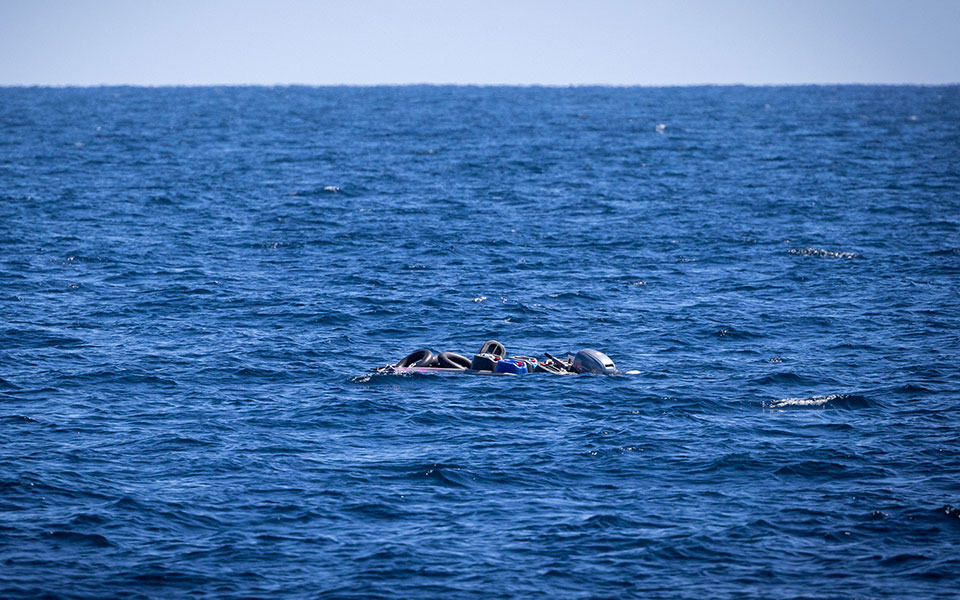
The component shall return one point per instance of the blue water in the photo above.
(195, 282)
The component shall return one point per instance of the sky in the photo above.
(525, 42)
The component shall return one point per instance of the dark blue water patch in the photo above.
(196, 281)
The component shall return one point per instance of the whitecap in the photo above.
(821, 253)
(812, 401)
(821, 401)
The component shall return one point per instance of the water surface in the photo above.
(193, 282)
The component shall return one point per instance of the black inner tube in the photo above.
(452, 360)
(418, 358)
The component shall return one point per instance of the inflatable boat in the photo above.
(492, 359)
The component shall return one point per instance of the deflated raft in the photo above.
(492, 359)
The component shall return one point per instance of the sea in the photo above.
(197, 282)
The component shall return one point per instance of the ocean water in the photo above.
(195, 283)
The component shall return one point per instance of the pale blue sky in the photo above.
(148, 42)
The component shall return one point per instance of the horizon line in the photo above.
(466, 85)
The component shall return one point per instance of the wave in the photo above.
(948, 511)
(75, 537)
(832, 400)
(349, 192)
(735, 334)
(16, 419)
(788, 377)
(822, 253)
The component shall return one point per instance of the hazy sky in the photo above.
(620, 42)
